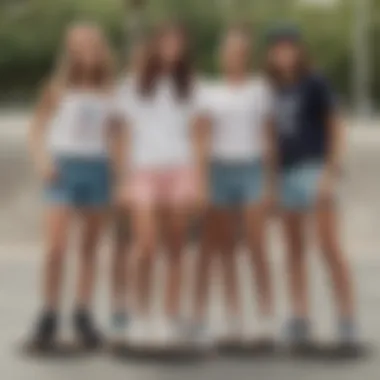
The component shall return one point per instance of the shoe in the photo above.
(233, 334)
(85, 330)
(298, 336)
(298, 331)
(45, 332)
(349, 346)
(348, 351)
(170, 333)
(139, 332)
(201, 336)
(266, 330)
(265, 339)
(118, 326)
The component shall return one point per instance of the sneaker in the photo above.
(119, 324)
(85, 330)
(201, 336)
(234, 332)
(347, 331)
(349, 345)
(266, 332)
(298, 331)
(299, 337)
(170, 332)
(139, 332)
(265, 338)
(45, 332)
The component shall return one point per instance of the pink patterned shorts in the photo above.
(176, 186)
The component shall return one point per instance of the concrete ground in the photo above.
(21, 255)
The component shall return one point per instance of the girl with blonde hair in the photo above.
(72, 148)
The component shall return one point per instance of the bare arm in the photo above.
(118, 142)
(336, 143)
(201, 141)
(271, 159)
(37, 132)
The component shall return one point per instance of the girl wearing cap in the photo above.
(69, 143)
(238, 109)
(309, 136)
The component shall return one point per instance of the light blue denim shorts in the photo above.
(236, 184)
(81, 182)
(299, 185)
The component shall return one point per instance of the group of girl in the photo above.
(164, 145)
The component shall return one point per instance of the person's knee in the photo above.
(295, 251)
(89, 246)
(331, 251)
(174, 248)
(228, 254)
(146, 248)
(174, 260)
(56, 253)
(296, 256)
(256, 246)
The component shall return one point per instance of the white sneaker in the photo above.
(234, 331)
(266, 329)
(164, 333)
(201, 336)
(118, 327)
(139, 332)
(171, 333)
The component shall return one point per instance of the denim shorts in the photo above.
(236, 184)
(81, 182)
(299, 185)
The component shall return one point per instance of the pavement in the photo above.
(21, 249)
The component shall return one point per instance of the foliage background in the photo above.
(31, 32)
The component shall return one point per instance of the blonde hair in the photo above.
(68, 73)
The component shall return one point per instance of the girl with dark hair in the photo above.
(309, 135)
(69, 143)
(159, 106)
(238, 108)
(120, 268)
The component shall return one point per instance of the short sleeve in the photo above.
(201, 103)
(120, 102)
(326, 95)
(266, 98)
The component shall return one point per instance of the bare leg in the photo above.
(144, 232)
(176, 222)
(119, 275)
(255, 227)
(93, 222)
(294, 231)
(335, 259)
(226, 234)
(204, 265)
(57, 226)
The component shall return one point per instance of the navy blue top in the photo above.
(301, 112)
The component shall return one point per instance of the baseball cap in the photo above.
(283, 33)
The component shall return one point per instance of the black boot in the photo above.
(85, 330)
(45, 332)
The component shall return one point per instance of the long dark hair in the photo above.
(302, 68)
(182, 70)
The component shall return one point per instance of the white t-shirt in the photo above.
(238, 114)
(79, 126)
(159, 125)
